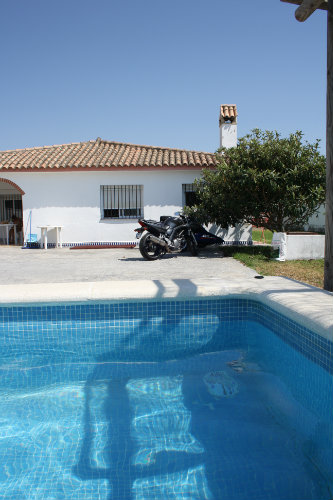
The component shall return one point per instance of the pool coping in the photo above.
(309, 306)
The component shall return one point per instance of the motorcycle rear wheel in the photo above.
(150, 250)
(193, 248)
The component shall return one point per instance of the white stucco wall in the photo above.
(228, 135)
(305, 246)
(299, 245)
(241, 233)
(72, 200)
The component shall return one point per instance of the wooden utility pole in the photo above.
(328, 277)
(305, 9)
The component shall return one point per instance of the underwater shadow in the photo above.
(114, 461)
(113, 438)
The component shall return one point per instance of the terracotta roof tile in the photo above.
(228, 112)
(101, 154)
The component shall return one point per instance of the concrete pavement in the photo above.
(63, 265)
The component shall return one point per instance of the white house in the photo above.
(97, 190)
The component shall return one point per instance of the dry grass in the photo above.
(307, 271)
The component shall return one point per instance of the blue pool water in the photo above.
(205, 399)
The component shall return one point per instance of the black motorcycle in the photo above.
(204, 237)
(172, 235)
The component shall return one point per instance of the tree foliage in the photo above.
(267, 181)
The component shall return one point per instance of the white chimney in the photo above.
(228, 125)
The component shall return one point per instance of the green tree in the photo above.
(267, 181)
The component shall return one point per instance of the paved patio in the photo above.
(64, 265)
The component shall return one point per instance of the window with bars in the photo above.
(122, 202)
(189, 195)
(10, 206)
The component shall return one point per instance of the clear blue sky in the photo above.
(155, 72)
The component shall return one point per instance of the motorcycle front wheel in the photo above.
(148, 249)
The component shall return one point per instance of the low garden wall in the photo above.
(299, 245)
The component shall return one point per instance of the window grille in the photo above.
(10, 206)
(122, 202)
(189, 195)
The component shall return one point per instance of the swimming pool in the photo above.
(179, 399)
